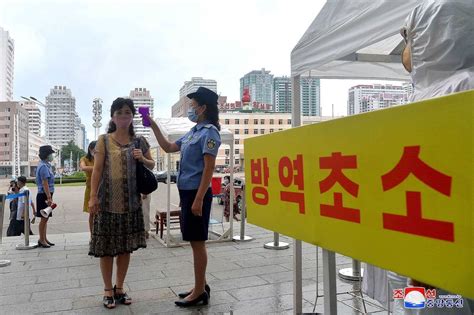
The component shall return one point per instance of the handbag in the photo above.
(146, 180)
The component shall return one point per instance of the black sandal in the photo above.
(122, 297)
(108, 301)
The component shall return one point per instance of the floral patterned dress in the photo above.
(118, 226)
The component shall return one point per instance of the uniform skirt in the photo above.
(41, 204)
(195, 228)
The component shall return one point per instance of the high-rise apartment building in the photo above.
(366, 98)
(34, 117)
(141, 98)
(191, 86)
(310, 96)
(7, 54)
(60, 116)
(282, 94)
(259, 84)
(80, 131)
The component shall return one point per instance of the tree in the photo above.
(77, 153)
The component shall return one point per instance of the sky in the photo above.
(107, 48)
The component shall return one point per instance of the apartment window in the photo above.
(237, 151)
(255, 131)
(227, 161)
(237, 121)
(227, 122)
(237, 141)
(246, 131)
(255, 121)
(237, 131)
(227, 151)
(262, 121)
(289, 121)
(262, 131)
(246, 121)
(271, 130)
(272, 121)
(236, 161)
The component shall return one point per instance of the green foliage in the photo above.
(77, 153)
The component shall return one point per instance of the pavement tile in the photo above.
(248, 272)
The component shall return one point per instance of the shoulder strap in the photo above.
(211, 126)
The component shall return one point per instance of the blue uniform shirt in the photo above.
(204, 138)
(44, 171)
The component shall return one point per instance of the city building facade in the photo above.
(80, 133)
(368, 97)
(60, 116)
(310, 89)
(191, 86)
(34, 117)
(7, 54)
(282, 94)
(259, 84)
(141, 98)
(13, 139)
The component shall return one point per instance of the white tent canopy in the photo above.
(354, 40)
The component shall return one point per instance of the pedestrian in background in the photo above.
(44, 197)
(87, 166)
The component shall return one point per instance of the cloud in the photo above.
(107, 48)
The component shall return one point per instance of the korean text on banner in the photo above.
(393, 188)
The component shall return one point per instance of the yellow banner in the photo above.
(393, 188)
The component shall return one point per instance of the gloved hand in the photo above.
(145, 112)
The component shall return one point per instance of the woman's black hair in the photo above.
(117, 105)
(91, 146)
(211, 113)
(43, 156)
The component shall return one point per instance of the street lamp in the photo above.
(97, 111)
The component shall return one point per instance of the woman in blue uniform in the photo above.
(199, 149)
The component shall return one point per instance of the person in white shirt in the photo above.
(20, 214)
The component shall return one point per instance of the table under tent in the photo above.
(173, 129)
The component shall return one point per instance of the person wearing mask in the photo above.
(13, 229)
(118, 227)
(20, 216)
(199, 148)
(44, 197)
(87, 165)
(439, 55)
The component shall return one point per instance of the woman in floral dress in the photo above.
(115, 202)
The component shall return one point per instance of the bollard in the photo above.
(276, 244)
(27, 224)
(242, 237)
(352, 274)
(3, 262)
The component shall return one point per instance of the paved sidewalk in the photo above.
(245, 278)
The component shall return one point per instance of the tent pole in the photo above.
(297, 245)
